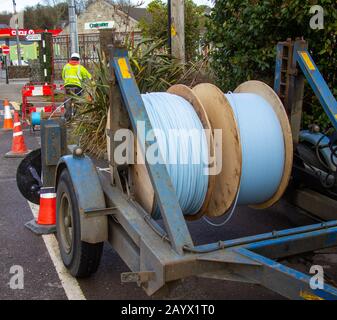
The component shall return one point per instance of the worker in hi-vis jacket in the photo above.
(73, 75)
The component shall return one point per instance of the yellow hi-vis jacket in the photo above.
(74, 74)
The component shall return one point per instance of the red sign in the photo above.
(22, 32)
(5, 50)
(25, 32)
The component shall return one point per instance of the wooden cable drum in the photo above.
(257, 143)
(221, 117)
(267, 93)
(143, 190)
(241, 163)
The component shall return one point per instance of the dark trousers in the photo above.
(73, 89)
(70, 110)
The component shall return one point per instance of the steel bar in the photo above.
(284, 280)
(318, 84)
(165, 194)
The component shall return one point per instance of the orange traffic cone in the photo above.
(19, 149)
(46, 221)
(8, 121)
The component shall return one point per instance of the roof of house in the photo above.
(135, 13)
(139, 13)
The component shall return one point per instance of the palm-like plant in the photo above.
(154, 70)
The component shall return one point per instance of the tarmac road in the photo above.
(45, 279)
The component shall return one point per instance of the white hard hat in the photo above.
(75, 55)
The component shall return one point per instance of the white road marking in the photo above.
(70, 285)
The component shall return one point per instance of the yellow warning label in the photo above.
(124, 68)
(173, 31)
(309, 296)
(307, 60)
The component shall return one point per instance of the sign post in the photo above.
(7, 61)
(17, 35)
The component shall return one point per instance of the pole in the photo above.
(17, 36)
(45, 72)
(169, 26)
(178, 29)
(73, 27)
(7, 62)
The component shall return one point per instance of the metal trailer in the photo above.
(94, 206)
(294, 64)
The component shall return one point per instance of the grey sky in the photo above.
(7, 5)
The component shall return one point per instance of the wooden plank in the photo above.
(315, 203)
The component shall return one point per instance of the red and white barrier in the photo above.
(46, 109)
(39, 90)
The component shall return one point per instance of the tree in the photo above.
(157, 28)
(5, 17)
(244, 34)
(46, 16)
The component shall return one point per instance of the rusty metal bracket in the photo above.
(140, 277)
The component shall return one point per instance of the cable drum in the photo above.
(263, 149)
(254, 154)
(257, 161)
(183, 145)
(180, 111)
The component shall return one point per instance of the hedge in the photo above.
(244, 34)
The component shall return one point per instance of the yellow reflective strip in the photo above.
(173, 31)
(79, 72)
(124, 68)
(309, 296)
(307, 60)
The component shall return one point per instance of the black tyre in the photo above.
(80, 258)
(28, 176)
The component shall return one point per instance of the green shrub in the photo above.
(154, 70)
(244, 34)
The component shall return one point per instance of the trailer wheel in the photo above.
(80, 258)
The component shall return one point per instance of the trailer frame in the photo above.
(156, 255)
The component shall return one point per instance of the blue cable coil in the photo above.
(186, 157)
(36, 118)
(184, 151)
(263, 147)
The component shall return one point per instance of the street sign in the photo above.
(5, 50)
(33, 37)
(99, 25)
(22, 32)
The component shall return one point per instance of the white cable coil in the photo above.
(183, 146)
